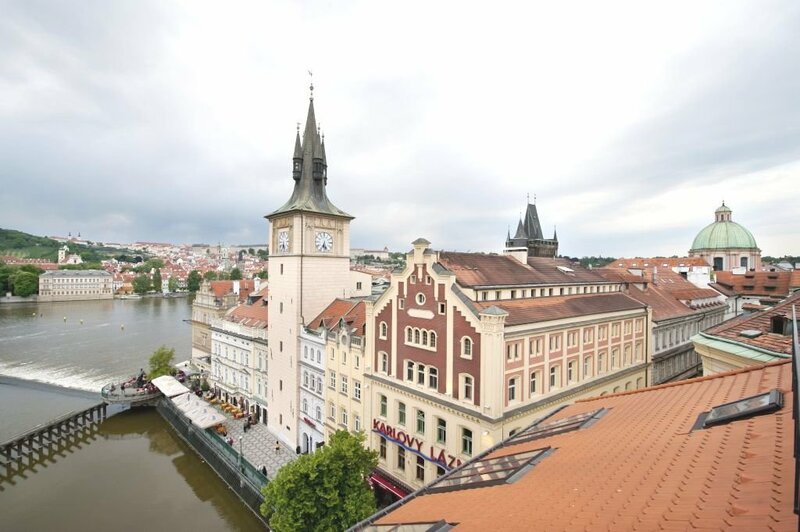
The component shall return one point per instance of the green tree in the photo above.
(210, 275)
(193, 281)
(30, 268)
(236, 274)
(161, 362)
(263, 274)
(262, 254)
(25, 283)
(141, 284)
(172, 284)
(325, 490)
(5, 278)
(154, 264)
(157, 281)
(251, 251)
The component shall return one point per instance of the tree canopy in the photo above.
(161, 362)
(325, 490)
(157, 281)
(25, 283)
(193, 281)
(172, 284)
(236, 274)
(141, 284)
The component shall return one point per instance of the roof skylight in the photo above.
(743, 408)
(561, 426)
(490, 471)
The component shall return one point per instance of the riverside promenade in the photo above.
(258, 446)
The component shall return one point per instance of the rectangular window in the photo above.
(536, 346)
(615, 330)
(357, 425)
(409, 370)
(401, 458)
(332, 411)
(441, 430)
(332, 380)
(420, 421)
(384, 406)
(571, 371)
(383, 448)
(344, 384)
(512, 390)
(401, 304)
(401, 414)
(442, 308)
(534, 383)
(384, 362)
(420, 469)
(572, 340)
(357, 390)
(587, 367)
(553, 377)
(466, 441)
(344, 417)
(421, 374)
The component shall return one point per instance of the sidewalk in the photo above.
(258, 446)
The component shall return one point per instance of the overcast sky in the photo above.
(175, 121)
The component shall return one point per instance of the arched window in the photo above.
(305, 380)
(424, 337)
(433, 378)
(318, 413)
(466, 347)
(433, 339)
(409, 337)
(384, 330)
(416, 336)
(466, 387)
(421, 374)
(305, 406)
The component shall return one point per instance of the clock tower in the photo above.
(309, 266)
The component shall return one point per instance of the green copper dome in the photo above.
(724, 233)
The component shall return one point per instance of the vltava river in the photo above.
(134, 474)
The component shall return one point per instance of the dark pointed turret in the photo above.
(309, 171)
(529, 235)
(297, 158)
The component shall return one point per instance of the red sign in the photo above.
(414, 444)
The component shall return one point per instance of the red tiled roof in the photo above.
(352, 311)
(757, 283)
(479, 269)
(760, 321)
(658, 262)
(254, 315)
(220, 288)
(554, 308)
(641, 467)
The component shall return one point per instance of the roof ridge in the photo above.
(704, 378)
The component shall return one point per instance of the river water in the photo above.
(134, 473)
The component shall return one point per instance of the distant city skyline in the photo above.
(630, 123)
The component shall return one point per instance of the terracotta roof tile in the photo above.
(760, 321)
(480, 269)
(558, 307)
(352, 311)
(658, 262)
(254, 315)
(768, 284)
(640, 467)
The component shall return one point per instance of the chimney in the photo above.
(521, 254)
(236, 287)
(655, 274)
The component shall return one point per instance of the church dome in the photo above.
(724, 233)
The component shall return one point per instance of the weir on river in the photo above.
(45, 442)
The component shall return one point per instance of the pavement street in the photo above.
(258, 446)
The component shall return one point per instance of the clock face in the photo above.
(283, 241)
(324, 241)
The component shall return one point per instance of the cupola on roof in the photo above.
(724, 233)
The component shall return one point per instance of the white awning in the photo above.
(199, 412)
(169, 386)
